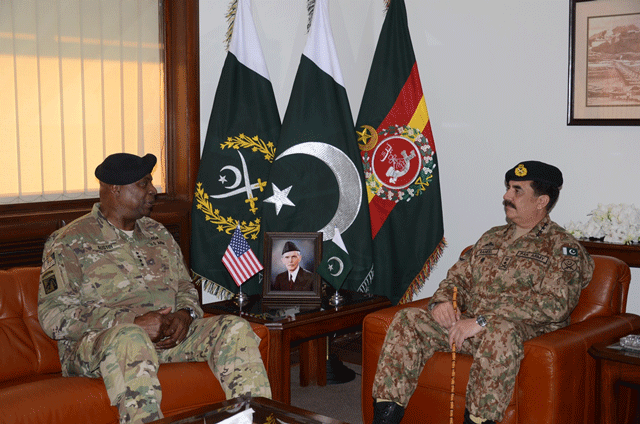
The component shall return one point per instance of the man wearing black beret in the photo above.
(518, 281)
(116, 295)
(295, 278)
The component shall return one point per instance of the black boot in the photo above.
(467, 419)
(387, 413)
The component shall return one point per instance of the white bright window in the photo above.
(80, 79)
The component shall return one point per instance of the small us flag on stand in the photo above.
(239, 259)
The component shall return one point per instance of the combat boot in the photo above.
(387, 412)
(468, 420)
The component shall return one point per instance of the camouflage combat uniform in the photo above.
(524, 288)
(96, 280)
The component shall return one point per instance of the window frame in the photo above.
(182, 136)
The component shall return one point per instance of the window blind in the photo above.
(81, 79)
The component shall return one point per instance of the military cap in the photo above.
(533, 170)
(125, 168)
(290, 247)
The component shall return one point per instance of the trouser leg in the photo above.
(412, 338)
(126, 359)
(230, 347)
(499, 349)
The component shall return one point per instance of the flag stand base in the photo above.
(336, 299)
(338, 372)
(241, 299)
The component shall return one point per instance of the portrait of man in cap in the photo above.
(294, 278)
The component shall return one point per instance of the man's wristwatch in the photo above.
(192, 313)
(481, 321)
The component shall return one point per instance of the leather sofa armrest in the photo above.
(262, 332)
(381, 319)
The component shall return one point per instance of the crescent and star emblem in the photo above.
(340, 264)
(368, 136)
(346, 174)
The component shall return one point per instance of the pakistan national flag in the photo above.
(238, 152)
(316, 181)
(336, 263)
(400, 164)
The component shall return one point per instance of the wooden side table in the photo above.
(628, 253)
(308, 328)
(613, 366)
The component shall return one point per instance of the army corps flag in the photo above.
(400, 165)
(316, 181)
(238, 152)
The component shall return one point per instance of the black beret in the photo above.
(533, 170)
(125, 168)
(290, 247)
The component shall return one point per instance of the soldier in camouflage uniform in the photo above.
(117, 296)
(518, 281)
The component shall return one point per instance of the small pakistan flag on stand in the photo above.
(336, 264)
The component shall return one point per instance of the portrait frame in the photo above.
(310, 245)
(599, 93)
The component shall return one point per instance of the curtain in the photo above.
(81, 79)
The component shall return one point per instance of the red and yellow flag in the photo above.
(399, 158)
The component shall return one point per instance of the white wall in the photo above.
(494, 75)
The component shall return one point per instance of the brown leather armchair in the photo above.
(32, 389)
(556, 382)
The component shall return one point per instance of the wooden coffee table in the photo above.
(265, 411)
(613, 365)
(308, 328)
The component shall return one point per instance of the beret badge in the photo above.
(520, 171)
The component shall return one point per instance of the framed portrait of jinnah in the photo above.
(291, 263)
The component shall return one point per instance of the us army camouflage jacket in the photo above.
(535, 279)
(95, 276)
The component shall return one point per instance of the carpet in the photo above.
(339, 401)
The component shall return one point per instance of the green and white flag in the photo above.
(336, 263)
(316, 182)
(238, 152)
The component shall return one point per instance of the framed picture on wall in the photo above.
(604, 62)
(291, 261)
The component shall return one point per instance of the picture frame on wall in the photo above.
(292, 253)
(604, 62)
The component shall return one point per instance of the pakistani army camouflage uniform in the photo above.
(524, 288)
(96, 279)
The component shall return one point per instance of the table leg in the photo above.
(313, 362)
(607, 398)
(280, 366)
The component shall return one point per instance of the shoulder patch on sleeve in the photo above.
(49, 282)
(569, 251)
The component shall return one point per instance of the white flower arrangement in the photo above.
(614, 223)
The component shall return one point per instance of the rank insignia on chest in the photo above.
(569, 251)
